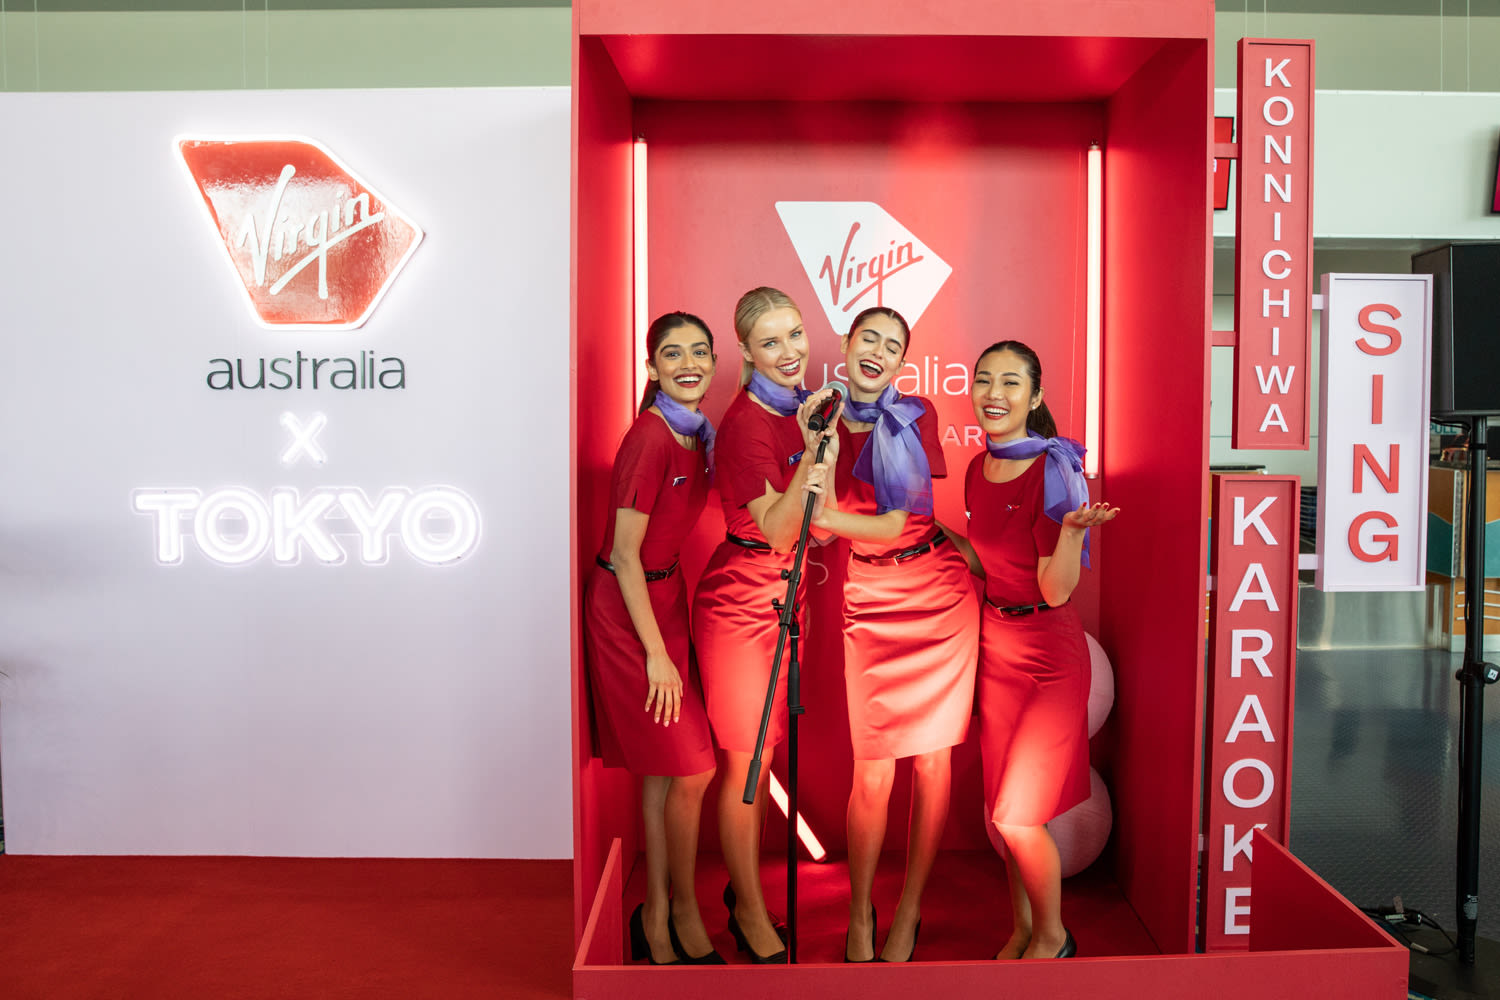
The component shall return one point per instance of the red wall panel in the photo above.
(1104, 18)
(995, 191)
(600, 398)
(1158, 271)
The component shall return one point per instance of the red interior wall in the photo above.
(600, 399)
(1158, 272)
(996, 190)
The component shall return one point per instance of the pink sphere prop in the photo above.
(1101, 685)
(1082, 831)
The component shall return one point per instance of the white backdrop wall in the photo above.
(316, 709)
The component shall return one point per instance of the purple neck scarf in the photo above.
(1065, 488)
(686, 421)
(778, 397)
(893, 459)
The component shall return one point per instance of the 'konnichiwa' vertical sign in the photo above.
(1273, 245)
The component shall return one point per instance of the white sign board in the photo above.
(283, 541)
(1372, 482)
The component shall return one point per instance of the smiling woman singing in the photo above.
(911, 623)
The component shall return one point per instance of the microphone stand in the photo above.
(1472, 678)
(787, 635)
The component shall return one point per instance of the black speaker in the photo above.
(1465, 327)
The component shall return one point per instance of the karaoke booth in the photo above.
(721, 147)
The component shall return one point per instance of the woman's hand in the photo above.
(665, 691)
(810, 438)
(1087, 516)
(818, 478)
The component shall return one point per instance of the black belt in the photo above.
(747, 543)
(1019, 610)
(904, 554)
(652, 575)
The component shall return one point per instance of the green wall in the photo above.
(230, 44)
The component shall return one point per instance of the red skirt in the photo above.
(628, 736)
(1033, 714)
(734, 632)
(911, 639)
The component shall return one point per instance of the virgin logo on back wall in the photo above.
(857, 256)
(313, 245)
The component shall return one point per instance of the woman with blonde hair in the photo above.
(762, 469)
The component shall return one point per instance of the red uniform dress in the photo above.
(655, 475)
(734, 625)
(911, 630)
(1033, 685)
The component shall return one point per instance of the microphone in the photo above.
(819, 418)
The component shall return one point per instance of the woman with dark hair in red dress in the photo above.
(1029, 515)
(762, 468)
(636, 635)
(911, 623)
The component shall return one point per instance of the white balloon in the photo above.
(1101, 685)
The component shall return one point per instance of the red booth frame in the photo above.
(1148, 65)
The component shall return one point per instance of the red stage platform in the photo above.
(967, 122)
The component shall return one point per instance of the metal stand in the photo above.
(1472, 678)
(788, 634)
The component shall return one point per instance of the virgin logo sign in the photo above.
(857, 256)
(315, 247)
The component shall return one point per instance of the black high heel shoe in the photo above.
(639, 947)
(729, 902)
(872, 958)
(915, 933)
(711, 958)
(743, 944)
(1069, 948)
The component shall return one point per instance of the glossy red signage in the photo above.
(1252, 656)
(313, 244)
(1273, 246)
(1223, 165)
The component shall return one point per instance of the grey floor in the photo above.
(1375, 779)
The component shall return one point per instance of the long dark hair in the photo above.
(660, 327)
(1039, 419)
(889, 314)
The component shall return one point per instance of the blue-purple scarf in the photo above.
(893, 459)
(1065, 488)
(778, 397)
(686, 421)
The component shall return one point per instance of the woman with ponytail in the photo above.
(911, 624)
(1029, 515)
(762, 469)
(636, 634)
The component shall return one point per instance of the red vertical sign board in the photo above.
(1223, 165)
(1273, 246)
(1252, 657)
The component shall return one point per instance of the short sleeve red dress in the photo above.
(655, 475)
(1033, 687)
(734, 625)
(911, 627)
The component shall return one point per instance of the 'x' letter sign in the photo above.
(302, 438)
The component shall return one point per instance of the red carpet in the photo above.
(167, 928)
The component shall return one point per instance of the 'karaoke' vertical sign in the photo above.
(1252, 655)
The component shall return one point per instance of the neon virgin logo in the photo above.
(856, 255)
(313, 245)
